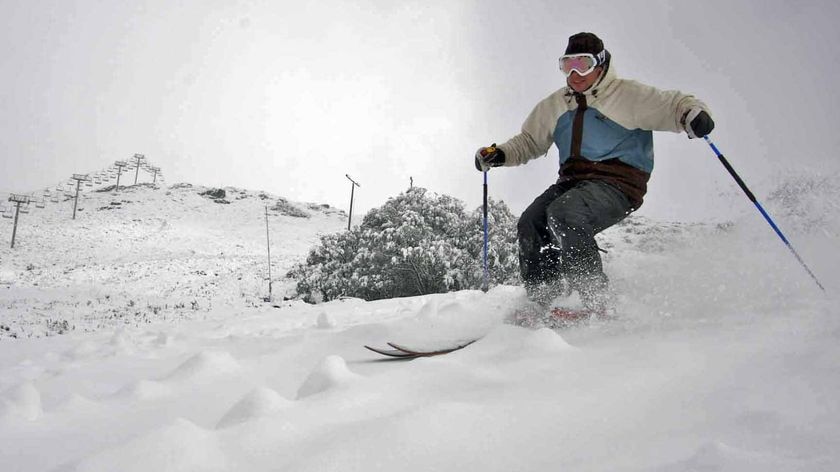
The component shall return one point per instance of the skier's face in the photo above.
(581, 83)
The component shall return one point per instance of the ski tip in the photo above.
(431, 352)
(401, 352)
(393, 353)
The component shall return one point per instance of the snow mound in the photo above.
(259, 403)
(180, 446)
(428, 310)
(76, 403)
(83, 350)
(515, 342)
(717, 456)
(546, 340)
(454, 308)
(143, 390)
(121, 342)
(7, 276)
(21, 402)
(331, 373)
(204, 364)
(325, 321)
(164, 339)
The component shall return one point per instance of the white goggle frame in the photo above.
(596, 60)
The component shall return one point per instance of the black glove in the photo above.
(487, 157)
(698, 123)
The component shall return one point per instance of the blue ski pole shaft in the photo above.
(486, 284)
(766, 216)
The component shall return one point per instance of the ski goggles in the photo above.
(583, 63)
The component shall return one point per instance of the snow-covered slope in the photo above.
(147, 253)
(724, 357)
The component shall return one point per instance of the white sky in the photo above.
(289, 97)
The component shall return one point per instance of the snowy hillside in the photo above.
(724, 355)
(147, 253)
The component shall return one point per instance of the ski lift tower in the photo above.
(155, 171)
(79, 178)
(139, 158)
(120, 165)
(18, 200)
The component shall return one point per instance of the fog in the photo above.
(289, 97)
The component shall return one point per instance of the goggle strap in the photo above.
(601, 57)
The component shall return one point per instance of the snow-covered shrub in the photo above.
(285, 208)
(807, 203)
(415, 244)
(214, 193)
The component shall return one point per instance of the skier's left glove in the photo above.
(487, 157)
(697, 123)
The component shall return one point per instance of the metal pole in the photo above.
(761, 210)
(78, 178)
(139, 158)
(14, 229)
(76, 200)
(486, 285)
(353, 186)
(120, 165)
(268, 246)
(350, 218)
(18, 200)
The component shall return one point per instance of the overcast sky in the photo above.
(288, 97)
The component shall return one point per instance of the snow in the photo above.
(261, 402)
(332, 373)
(160, 253)
(724, 356)
(23, 401)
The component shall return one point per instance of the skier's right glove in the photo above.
(487, 157)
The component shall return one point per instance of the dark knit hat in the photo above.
(584, 43)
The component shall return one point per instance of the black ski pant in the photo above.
(557, 231)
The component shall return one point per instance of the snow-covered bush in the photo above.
(807, 203)
(285, 208)
(415, 244)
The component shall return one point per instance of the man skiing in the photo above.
(602, 126)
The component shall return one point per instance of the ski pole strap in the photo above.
(761, 210)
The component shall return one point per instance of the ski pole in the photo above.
(766, 216)
(486, 284)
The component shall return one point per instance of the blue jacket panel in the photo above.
(605, 139)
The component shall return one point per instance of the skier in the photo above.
(602, 126)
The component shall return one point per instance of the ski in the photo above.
(393, 353)
(556, 318)
(434, 352)
(403, 352)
